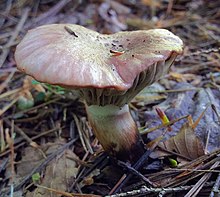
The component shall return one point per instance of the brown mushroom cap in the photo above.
(74, 56)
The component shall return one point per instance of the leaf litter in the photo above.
(51, 136)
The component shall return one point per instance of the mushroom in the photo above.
(106, 70)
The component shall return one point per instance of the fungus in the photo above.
(106, 70)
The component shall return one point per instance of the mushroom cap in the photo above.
(73, 56)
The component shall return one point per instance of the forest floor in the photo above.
(47, 147)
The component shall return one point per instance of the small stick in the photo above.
(80, 133)
(34, 138)
(198, 186)
(2, 111)
(215, 110)
(21, 133)
(33, 108)
(169, 7)
(146, 190)
(215, 189)
(125, 177)
(67, 193)
(163, 125)
(14, 36)
(2, 139)
(5, 83)
(85, 172)
(135, 172)
(10, 142)
(6, 12)
(8, 93)
(51, 12)
(200, 52)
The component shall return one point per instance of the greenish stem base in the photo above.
(116, 131)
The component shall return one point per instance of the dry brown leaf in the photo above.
(177, 76)
(31, 158)
(59, 175)
(185, 143)
(188, 77)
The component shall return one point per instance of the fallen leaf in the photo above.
(188, 77)
(185, 143)
(59, 175)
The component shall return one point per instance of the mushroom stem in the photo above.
(116, 131)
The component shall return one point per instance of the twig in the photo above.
(192, 170)
(33, 108)
(85, 172)
(4, 163)
(169, 7)
(21, 133)
(5, 83)
(8, 93)
(162, 125)
(7, 10)
(215, 190)
(125, 178)
(10, 142)
(2, 138)
(146, 190)
(67, 194)
(18, 28)
(216, 111)
(33, 138)
(200, 53)
(80, 132)
(198, 186)
(51, 12)
(135, 172)
(176, 90)
(7, 107)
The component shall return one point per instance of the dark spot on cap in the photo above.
(70, 31)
